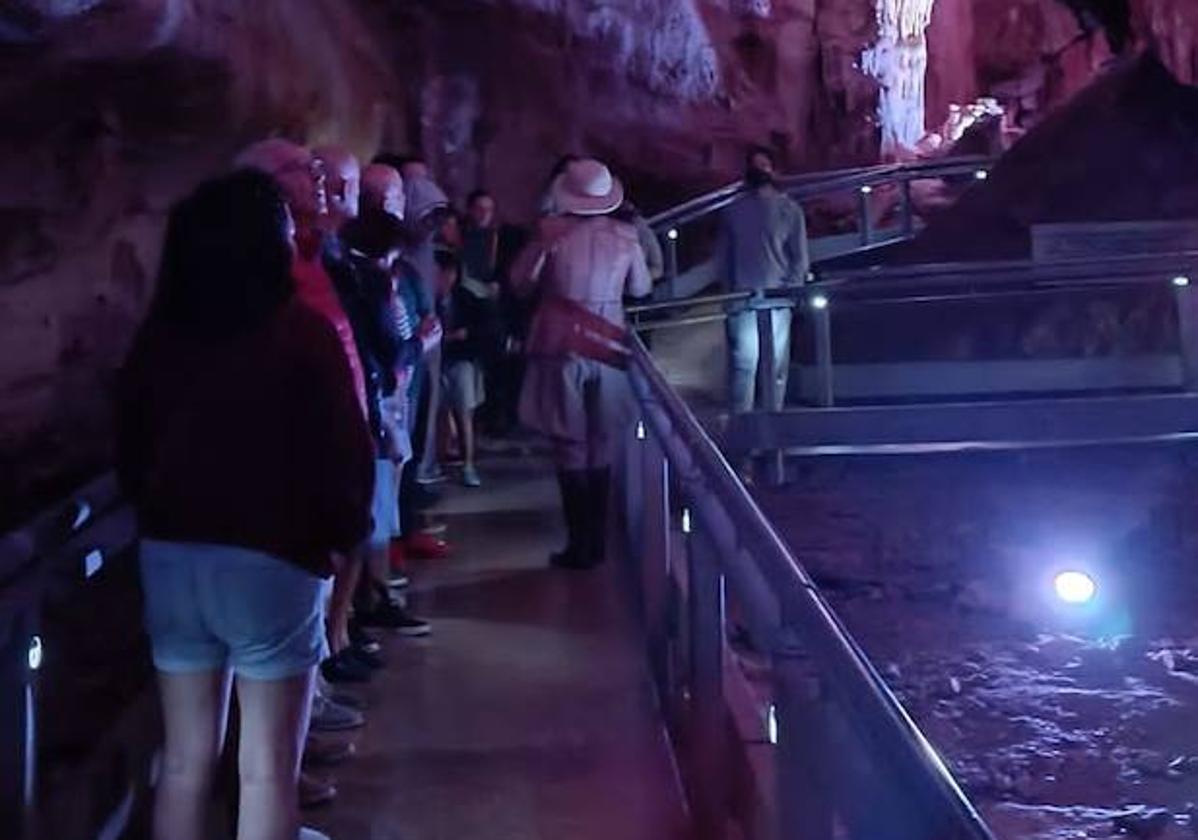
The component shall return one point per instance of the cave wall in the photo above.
(110, 113)
(1171, 28)
(669, 91)
(1037, 54)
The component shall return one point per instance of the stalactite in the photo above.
(899, 61)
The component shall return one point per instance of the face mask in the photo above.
(756, 178)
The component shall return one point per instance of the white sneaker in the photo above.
(432, 475)
(470, 477)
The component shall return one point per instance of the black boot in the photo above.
(598, 488)
(574, 487)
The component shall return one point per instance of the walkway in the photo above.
(528, 714)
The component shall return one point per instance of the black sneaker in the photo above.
(389, 615)
(371, 660)
(424, 496)
(344, 667)
(362, 640)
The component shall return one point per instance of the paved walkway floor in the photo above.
(528, 714)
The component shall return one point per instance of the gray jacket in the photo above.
(762, 242)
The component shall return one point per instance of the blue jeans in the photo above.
(744, 355)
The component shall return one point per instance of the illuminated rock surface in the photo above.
(1056, 725)
(1121, 150)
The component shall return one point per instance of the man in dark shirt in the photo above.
(488, 249)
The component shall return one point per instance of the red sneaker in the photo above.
(421, 546)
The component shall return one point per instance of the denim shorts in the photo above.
(385, 504)
(210, 607)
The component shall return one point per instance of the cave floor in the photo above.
(528, 713)
(1056, 720)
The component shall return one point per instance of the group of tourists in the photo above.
(324, 341)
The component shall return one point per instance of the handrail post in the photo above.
(820, 306)
(708, 713)
(805, 804)
(670, 246)
(655, 564)
(634, 504)
(866, 223)
(908, 210)
(767, 381)
(1187, 331)
(773, 396)
(17, 727)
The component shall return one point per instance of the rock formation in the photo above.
(112, 110)
(1122, 150)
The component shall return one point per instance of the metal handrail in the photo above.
(698, 300)
(725, 508)
(863, 181)
(971, 280)
(815, 184)
(41, 564)
(1027, 269)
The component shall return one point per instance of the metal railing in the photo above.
(62, 777)
(837, 406)
(841, 749)
(992, 282)
(864, 182)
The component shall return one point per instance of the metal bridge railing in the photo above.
(79, 723)
(865, 182)
(911, 404)
(837, 755)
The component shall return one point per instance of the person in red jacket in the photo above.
(244, 448)
(302, 178)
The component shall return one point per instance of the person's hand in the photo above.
(430, 333)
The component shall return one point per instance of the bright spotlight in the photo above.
(672, 234)
(819, 302)
(867, 190)
(1075, 587)
(1181, 281)
(981, 175)
(35, 653)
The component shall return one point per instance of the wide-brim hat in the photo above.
(587, 188)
